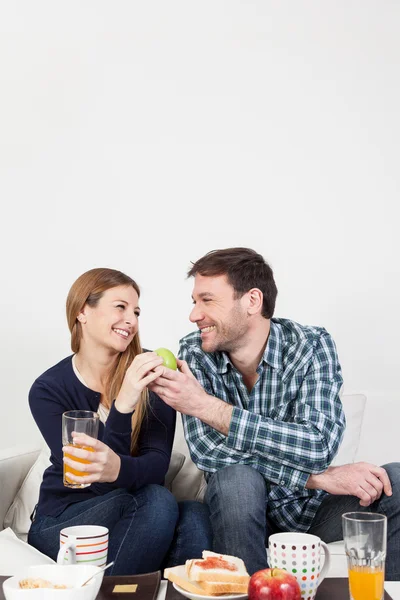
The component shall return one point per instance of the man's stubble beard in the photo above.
(233, 335)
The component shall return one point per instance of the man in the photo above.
(263, 418)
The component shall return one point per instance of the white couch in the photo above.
(21, 470)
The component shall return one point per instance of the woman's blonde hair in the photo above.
(88, 289)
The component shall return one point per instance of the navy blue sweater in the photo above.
(59, 390)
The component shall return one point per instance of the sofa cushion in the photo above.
(354, 408)
(15, 463)
(16, 554)
(189, 484)
(19, 513)
(176, 463)
(338, 566)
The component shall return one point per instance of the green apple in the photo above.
(169, 358)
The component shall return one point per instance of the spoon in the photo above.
(95, 574)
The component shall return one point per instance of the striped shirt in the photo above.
(289, 426)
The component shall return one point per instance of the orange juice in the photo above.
(366, 583)
(67, 469)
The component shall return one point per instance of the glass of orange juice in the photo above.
(365, 544)
(81, 421)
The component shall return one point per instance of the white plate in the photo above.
(192, 596)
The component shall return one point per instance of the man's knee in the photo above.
(236, 485)
(393, 471)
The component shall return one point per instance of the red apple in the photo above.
(273, 584)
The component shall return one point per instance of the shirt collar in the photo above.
(273, 350)
(272, 353)
(223, 362)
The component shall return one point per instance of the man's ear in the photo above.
(255, 301)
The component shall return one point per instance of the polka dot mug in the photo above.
(300, 555)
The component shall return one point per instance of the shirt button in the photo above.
(297, 488)
(282, 482)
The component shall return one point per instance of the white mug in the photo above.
(300, 555)
(83, 544)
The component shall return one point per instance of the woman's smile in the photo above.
(124, 333)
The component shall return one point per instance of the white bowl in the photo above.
(69, 575)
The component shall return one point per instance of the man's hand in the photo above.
(363, 480)
(181, 390)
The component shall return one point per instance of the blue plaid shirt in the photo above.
(289, 426)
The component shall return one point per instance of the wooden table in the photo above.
(332, 588)
(147, 587)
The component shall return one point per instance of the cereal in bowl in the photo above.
(33, 583)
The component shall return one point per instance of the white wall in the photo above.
(140, 135)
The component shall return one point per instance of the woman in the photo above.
(109, 373)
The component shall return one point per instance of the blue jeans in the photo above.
(148, 529)
(327, 523)
(237, 498)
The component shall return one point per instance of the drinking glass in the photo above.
(365, 544)
(81, 421)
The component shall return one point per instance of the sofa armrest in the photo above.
(15, 463)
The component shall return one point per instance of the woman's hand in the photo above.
(144, 369)
(104, 463)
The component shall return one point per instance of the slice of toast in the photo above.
(204, 588)
(215, 567)
(178, 575)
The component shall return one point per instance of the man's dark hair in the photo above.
(245, 269)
